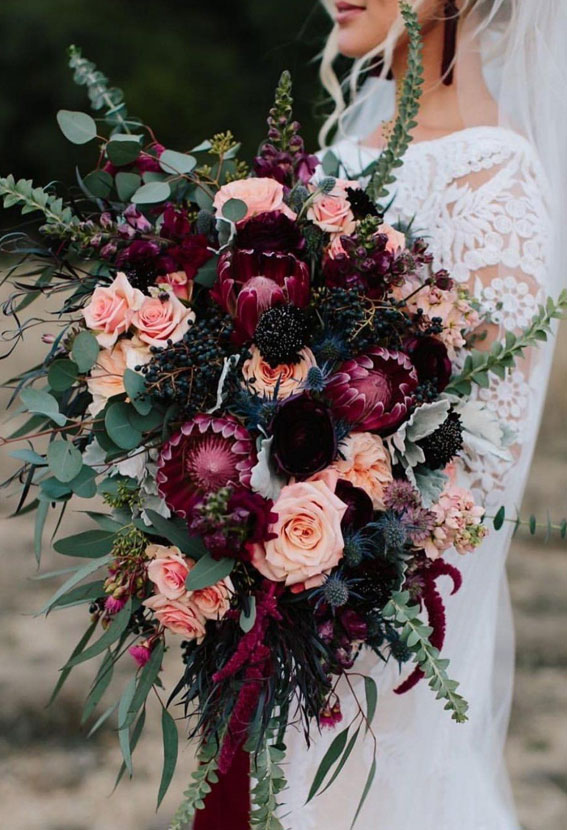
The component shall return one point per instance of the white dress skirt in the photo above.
(478, 197)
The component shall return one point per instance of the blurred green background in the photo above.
(190, 69)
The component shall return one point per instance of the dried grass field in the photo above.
(52, 778)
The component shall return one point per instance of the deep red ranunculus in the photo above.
(359, 510)
(304, 436)
(249, 283)
(374, 391)
(271, 231)
(431, 360)
(355, 627)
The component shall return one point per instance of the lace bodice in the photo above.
(478, 197)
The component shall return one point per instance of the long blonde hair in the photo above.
(341, 92)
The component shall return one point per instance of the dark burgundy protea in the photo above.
(429, 356)
(304, 437)
(249, 283)
(206, 454)
(272, 231)
(374, 391)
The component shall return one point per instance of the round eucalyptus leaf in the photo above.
(85, 350)
(64, 460)
(122, 152)
(173, 162)
(62, 374)
(127, 184)
(234, 210)
(77, 127)
(151, 193)
(119, 427)
(99, 184)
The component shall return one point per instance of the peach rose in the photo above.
(179, 617)
(308, 538)
(332, 211)
(111, 309)
(396, 239)
(366, 464)
(212, 602)
(107, 375)
(259, 195)
(168, 570)
(162, 318)
(179, 283)
(290, 375)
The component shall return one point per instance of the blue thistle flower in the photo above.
(335, 591)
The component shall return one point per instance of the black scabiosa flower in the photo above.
(281, 334)
(444, 444)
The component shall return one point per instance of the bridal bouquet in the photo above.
(267, 387)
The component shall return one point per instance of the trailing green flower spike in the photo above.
(281, 114)
(503, 355)
(416, 634)
(408, 106)
(30, 199)
(200, 786)
(269, 782)
(100, 94)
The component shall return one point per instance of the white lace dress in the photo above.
(478, 197)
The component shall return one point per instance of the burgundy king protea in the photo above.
(249, 283)
(206, 454)
(374, 391)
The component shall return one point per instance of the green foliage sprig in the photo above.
(200, 786)
(101, 95)
(532, 524)
(269, 779)
(281, 114)
(408, 106)
(503, 355)
(416, 635)
(30, 198)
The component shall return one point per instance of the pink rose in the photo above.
(162, 318)
(107, 375)
(179, 283)
(308, 539)
(168, 570)
(396, 239)
(336, 248)
(111, 310)
(179, 617)
(212, 602)
(332, 211)
(290, 376)
(366, 464)
(259, 195)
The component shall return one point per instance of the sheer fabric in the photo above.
(479, 196)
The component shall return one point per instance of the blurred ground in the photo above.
(51, 778)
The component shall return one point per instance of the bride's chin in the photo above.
(353, 40)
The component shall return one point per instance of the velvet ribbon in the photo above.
(227, 806)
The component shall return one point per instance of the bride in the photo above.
(476, 179)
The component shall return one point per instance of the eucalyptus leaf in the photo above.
(84, 484)
(77, 127)
(151, 193)
(85, 350)
(40, 402)
(30, 457)
(62, 374)
(247, 620)
(64, 460)
(371, 693)
(124, 732)
(207, 273)
(208, 571)
(135, 387)
(119, 428)
(148, 677)
(234, 210)
(332, 754)
(98, 184)
(170, 750)
(90, 544)
(112, 633)
(173, 162)
(66, 671)
(175, 531)
(127, 184)
(121, 151)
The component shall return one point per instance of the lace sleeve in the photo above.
(496, 234)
